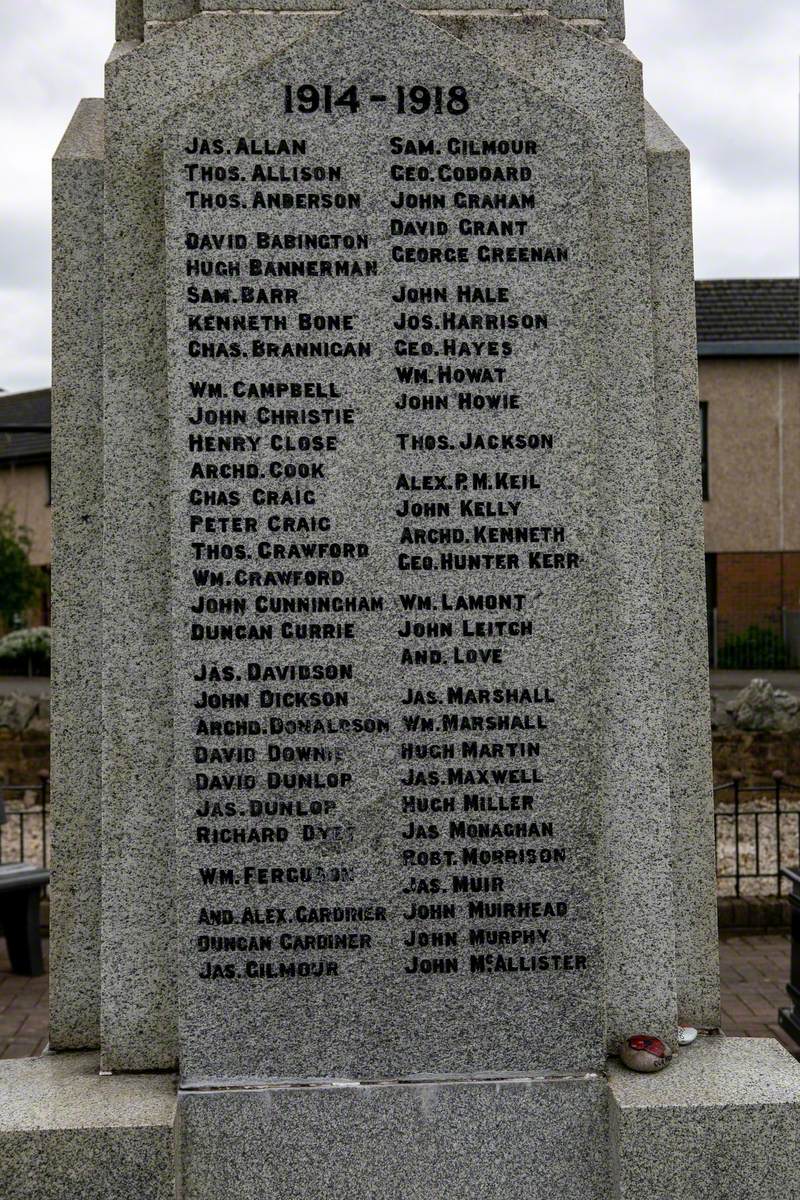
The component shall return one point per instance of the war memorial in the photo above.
(381, 766)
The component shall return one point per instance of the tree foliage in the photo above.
(21, 583)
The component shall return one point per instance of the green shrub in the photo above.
(26, 650)
(755, 648)
(21, 583)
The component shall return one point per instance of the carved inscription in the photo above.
(379, 426)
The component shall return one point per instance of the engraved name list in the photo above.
(383, 445)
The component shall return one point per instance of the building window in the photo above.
(711, 607)
(704, 446)
(44, 602)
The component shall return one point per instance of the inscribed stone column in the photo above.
(407, 776)
(593, 76)
(77, 467)
(139, 1014)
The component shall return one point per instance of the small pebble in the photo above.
(645, 1054)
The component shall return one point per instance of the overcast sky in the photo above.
(723, 74)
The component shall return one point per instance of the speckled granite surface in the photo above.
(68, 1134)
(143, 86)
(472, 1141)
(723, 1119)
(722, 1122)
(603, 82)
(467, 1020)
(685, 632)
(77, 496)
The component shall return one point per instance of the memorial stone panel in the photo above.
(385, 551)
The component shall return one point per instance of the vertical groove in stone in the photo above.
(130, 20)
(616, 19)
(77, 460)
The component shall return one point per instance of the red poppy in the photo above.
(652, 1044)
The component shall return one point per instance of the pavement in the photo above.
(754, 971)
(23, 1011)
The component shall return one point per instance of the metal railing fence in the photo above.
(757, 832)
(25, 828)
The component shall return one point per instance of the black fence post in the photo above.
(778, 777)
(44, 791)
(736, 779)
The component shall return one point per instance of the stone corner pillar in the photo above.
(77, 466)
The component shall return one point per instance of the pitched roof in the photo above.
(24, 408)
(748, 316)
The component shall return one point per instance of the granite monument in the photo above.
(380, 554)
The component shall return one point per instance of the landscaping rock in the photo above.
(17, 711)
(761, 706)
(720, 717)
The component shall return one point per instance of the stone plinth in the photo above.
(454, 1141)
(723, 1122)
(68, 1134)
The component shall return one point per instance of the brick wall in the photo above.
(752, 589)
(756, 755)
(791, 581)
(24, 755)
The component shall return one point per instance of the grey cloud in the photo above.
(24, 254)
(722, 73)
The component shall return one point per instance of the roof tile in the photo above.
(748, 310)
(25, 408)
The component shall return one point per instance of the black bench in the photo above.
(20, 892)
(789, 1018)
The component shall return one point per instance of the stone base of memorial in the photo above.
(68, 1133)
(721, 1123)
